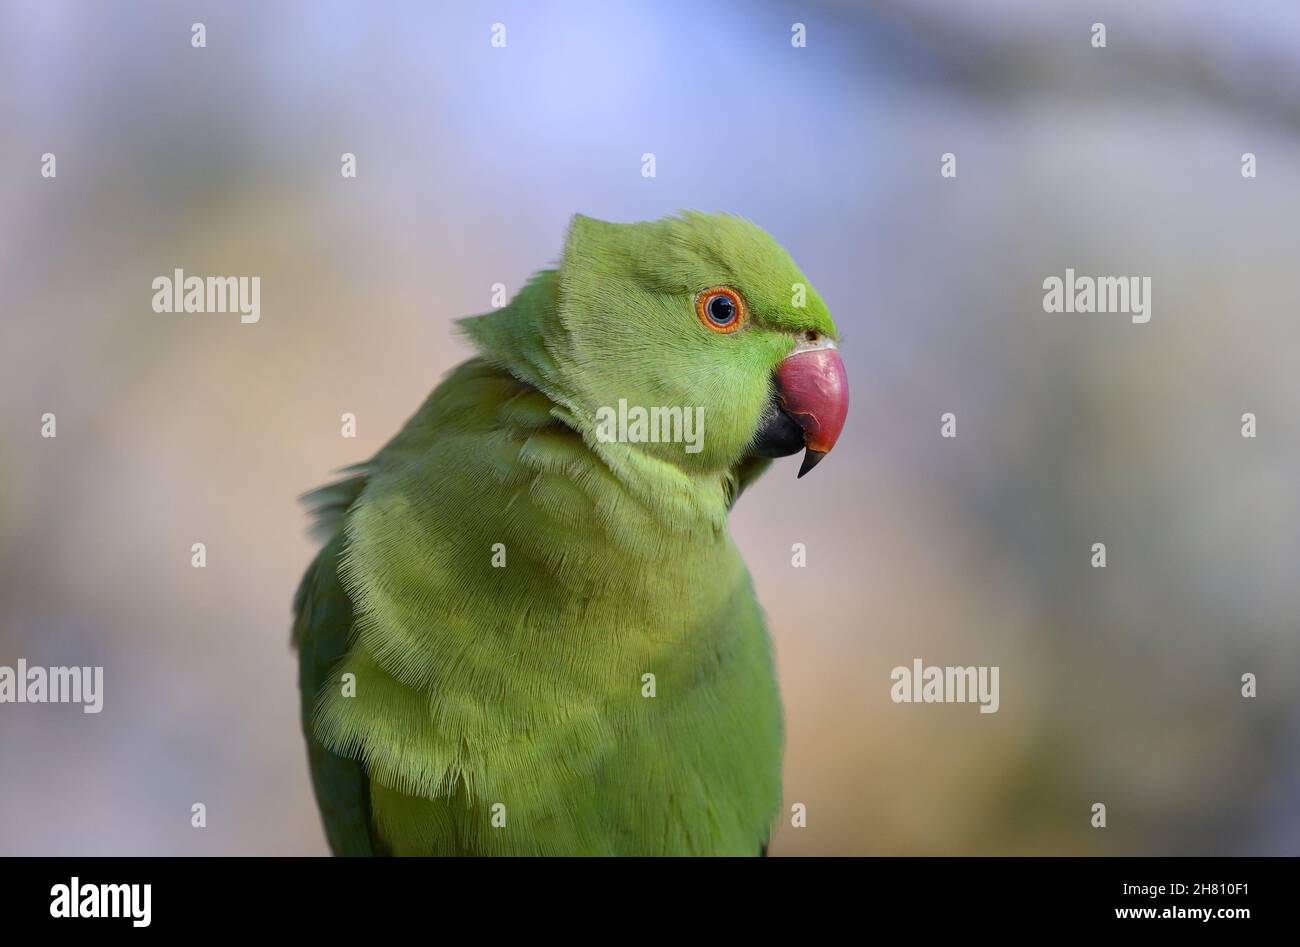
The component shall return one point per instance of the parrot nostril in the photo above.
(811, 335)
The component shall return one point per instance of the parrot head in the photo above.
(702, 311)
(702, 318)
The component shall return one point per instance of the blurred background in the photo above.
(1119, 685)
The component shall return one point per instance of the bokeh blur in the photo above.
(1119, 685)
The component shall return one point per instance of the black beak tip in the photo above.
(811, 458)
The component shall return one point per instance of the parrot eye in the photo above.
(720, 308)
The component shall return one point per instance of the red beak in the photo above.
(814, 390)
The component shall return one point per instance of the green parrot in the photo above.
(529, 631)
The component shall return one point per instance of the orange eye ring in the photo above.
(721, 309)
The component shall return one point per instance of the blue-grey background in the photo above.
(1119, 686)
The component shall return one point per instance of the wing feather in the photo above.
(321, 628)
